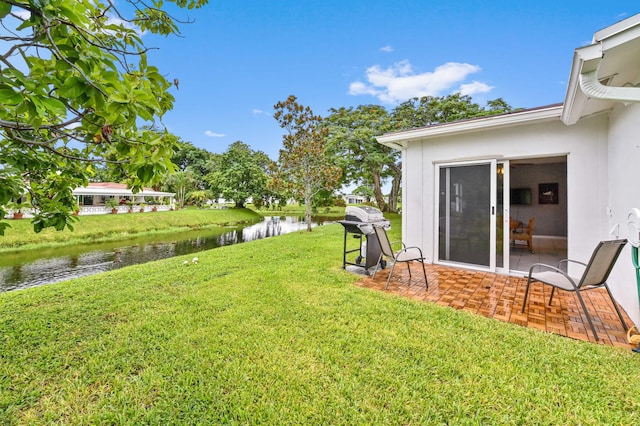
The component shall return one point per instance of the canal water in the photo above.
(29, 269)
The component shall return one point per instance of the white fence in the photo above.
(93, 210)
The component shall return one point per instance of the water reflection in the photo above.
(32, 269)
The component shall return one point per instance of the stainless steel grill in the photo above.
(359, 221)
(363, 218)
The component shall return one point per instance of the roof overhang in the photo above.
(605, 72)
(400, 140)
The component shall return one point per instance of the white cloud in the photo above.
(214, 134)
(475, 87)
(257, 111)
(399, 82)
(359, 88)
(23, 14)
(113, 20)
(387, 49)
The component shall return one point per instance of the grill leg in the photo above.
(344, 252)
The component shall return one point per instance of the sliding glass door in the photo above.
(467, 219)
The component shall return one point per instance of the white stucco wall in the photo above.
(624, 194)
(603, 182)
(602, 161)
(585, 147)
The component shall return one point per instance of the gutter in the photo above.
(584, 83)
(591, 86)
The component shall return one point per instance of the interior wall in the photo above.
(551, 219)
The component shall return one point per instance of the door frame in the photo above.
(492, 162)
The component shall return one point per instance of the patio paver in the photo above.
(500, 297)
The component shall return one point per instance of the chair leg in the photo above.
(526, 294)
(409, 268)
(586, 313)
(615, 305)
(553, 290)
(378, 263)
(390, 273)
(424, 271)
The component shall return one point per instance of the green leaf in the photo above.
(72, 87)
(5, 9)
(3, 226)
(75, 16)
(10, 97)
(145, 173)
(119, 97)
(54, 105)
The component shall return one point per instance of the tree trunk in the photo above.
(395, 187)
(239, 204)
(307, 203)
(377, 191)
(393, 195)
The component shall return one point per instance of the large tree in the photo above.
(242, 174)
(76, 90)
(198, 161)
(353, 132)
(304, 168)
(352, 135)
(182, 183)
(194, 165)
(431, 110)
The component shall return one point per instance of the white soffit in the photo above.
(604, 72)
(400, 140)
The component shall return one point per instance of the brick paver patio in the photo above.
(501, 296)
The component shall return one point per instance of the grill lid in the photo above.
(363, 214)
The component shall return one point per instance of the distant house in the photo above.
(573, 166)
(92, 198)
(354, 199)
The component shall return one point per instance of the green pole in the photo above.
(636, 264)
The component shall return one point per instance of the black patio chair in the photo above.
(595, 275)
(406, 254)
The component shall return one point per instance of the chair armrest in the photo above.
(553, 269)
(572, 261)
(398, 242)
(411, 248)
(567, 261)
(543, 266)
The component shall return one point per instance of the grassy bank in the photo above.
(112, 227)
(300, 210)
(275, 332)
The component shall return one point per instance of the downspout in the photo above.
(592, 87)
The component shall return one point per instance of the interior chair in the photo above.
(406, 254)
(594, 275)
(524, 234)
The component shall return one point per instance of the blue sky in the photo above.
(241, 57)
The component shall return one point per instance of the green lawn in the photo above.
(111, 227)
(275, 332)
